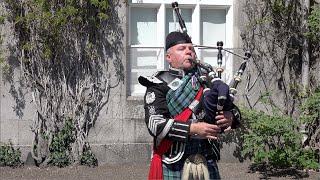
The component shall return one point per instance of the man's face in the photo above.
(180, 56)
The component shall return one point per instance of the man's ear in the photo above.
(168, 58)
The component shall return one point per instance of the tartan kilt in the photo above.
(174, 171)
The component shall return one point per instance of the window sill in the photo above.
(135, 98)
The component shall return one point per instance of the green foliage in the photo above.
(274, 139)
(88, 158)
(278, 7)
(2, 19)
(265, 98)
(64, 51)
(49, 19)
(1, 60)
(310, 118)
(314, 24)
(101, 4)
(275, 37)
(10, 156)
(311, 109)
(61, 145)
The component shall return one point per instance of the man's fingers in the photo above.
(224, 115)
(213, 126)
(210, 131)
(228, 129)
(212, 137)
(220, 116)
(224, 123)
(213, 129)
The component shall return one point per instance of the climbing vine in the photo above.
(64, 51)
(274, 35)
(2, 19)
(277, 38)
(314, 25)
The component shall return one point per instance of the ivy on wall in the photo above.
(277, 38)
(64, 51)
(314, 24)
(2, 19)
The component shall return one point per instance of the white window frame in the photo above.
(196, 5)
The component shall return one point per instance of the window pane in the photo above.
(144, 57)
(186, 16)
(213, 26)
(143, 26)
(143, 61)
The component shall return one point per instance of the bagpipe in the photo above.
(218, 96)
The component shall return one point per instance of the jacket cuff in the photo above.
(179, 132)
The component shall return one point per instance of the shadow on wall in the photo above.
(17, 87)
(84, 56)
(69, 60)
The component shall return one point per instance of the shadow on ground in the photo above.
(230, 171)
(268, 172)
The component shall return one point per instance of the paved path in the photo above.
(237, 171)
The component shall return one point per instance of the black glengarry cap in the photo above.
(175, 38)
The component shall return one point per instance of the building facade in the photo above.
(120, 133)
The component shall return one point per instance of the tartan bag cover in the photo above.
(181, 98)
(155, 172)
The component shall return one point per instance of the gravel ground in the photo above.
(239, 171)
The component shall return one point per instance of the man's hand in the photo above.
(224, 120)
(211, 131)
(205, 130)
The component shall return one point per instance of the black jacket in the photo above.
(157, 116)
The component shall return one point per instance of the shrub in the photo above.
(275, 141)
(88, 158)
(310, 117)
(60, 148)
(61, 145)
(10, 156)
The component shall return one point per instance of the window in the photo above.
(150, 21)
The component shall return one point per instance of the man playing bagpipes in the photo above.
(185, 146)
